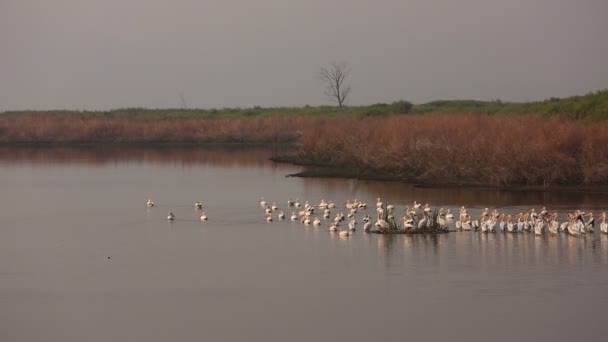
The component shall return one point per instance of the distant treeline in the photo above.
(593, 106)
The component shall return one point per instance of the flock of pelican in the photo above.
(417, 218)
(197, 205)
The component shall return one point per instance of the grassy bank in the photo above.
(469, 149)
(562, 144)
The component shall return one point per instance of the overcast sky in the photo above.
(104, 54)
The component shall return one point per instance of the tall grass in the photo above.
(466, 148)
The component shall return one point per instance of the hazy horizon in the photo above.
(100, 55)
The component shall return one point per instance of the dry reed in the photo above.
(444, 148)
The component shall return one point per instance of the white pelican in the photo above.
(171, 217)
(423, 221)
(334, 227)
(269, 218)
(381, 224)
(274, 206)
(316, 222)
(553, 224)
(149, 203)
(294, 217)
(203, 216)
(281, 215)
(442, 222)
(268, 210)
(539, 227)
(509, 224)
(367, 226)
(407, 223)
(262, 202)
(416, 205)
(502, 222)
(290, 202)
(344, 233)
(347, 204)
(427, 208)
(448, 215)
(352, 224)
(322, 204)
(198, 205)
(331, 205)
(603, 225)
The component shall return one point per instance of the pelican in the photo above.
(268, 210)
(442, 222)
(553, 224)
(367, 226)
(407, 223)
(198, 205)
(539, 227)
(334, 227)
(351, 213)
(149, 203)
(509, 224)
(379, 203)
(448, 215)
(331, 205)
(427, 208)
(269, 218)
(575, 226)
(424, 221)
(352, 223)
(281, 215)
(274, 206)
(416, 205)
(262, 202)
(603, 225)
(344, 232)
(381, 224)
(171, 217)
(348, 205)
(203, 216)
(322, 204)
(290, 202)
(502, 223)
(294, 217)
(316, 222)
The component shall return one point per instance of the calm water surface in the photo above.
(83, 259)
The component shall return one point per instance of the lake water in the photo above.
(83, 259)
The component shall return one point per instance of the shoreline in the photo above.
(316, 169)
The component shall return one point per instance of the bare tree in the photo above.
(334, 78)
